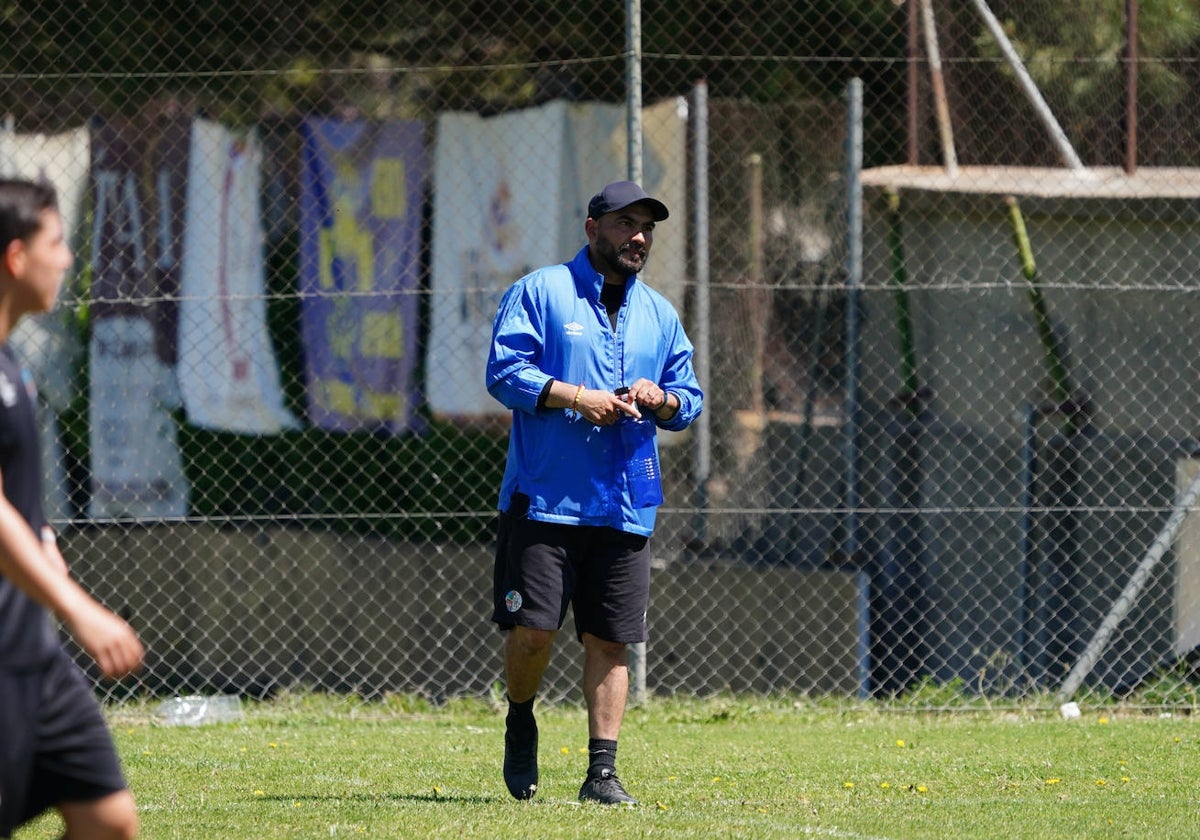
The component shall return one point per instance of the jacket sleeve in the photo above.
(513, 376)
(680, 379)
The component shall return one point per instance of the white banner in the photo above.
(228, 375)
(136, 468)
(498, 212)
(47, 344)
(664, 156)
(61, 160)
(510, 195)
(597, 156)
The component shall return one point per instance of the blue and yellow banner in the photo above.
(362, 189)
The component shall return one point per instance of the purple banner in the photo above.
(138, 185)
(361, 195)
(139, 181)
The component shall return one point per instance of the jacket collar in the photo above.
(587, 279)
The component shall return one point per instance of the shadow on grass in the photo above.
(383, 797)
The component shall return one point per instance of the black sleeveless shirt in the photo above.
(27, 634)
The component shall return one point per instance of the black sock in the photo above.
(520, 715)
(601, 754)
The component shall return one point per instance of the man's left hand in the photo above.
(647, 394)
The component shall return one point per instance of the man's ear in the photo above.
(14, 258)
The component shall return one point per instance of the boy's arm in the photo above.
(50, 550)
(105, 636)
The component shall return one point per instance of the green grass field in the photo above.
(307, 766)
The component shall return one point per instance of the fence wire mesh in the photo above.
(267, 440)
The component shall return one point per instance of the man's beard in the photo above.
(625, 260)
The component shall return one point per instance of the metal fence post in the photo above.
(633, 106)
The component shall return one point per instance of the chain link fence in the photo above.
(948, 440)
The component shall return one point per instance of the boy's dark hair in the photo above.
(21, 206)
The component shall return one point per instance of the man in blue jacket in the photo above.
(592, 362)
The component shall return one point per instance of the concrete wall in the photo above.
(256, 609)
(1114, 276)
(1013, 596)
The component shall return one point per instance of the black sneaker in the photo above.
(520, 762)
(606, 789)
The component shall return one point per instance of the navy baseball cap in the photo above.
(619, 195)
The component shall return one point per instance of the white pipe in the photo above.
(1129, 595)
(1031, 90)
(938, 82)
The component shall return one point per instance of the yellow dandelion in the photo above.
(672, 778)
(565, 751)
(716, 778)
(1100, 783)
(1176, 740)
(661, 806)
(259, 793)
(273, 745)
(582, 750)
(1053, 781)
(762, 810)
(847, 785)
(1124, 778)
(437, 791)
(1102, 720)
(922, 789)
(884, 785)
(900, 743)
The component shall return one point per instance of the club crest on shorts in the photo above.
(513, 601)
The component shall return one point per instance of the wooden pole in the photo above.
(937, 80)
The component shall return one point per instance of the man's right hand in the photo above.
(108, 639)
(605, 408)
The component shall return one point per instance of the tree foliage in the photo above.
(1078, 49)
(244, 58)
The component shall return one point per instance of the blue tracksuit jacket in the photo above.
(551, 325)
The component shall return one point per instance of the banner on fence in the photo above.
(228, 374)
(362, 186)
(136, 466)
(48, 344)
(510, 195)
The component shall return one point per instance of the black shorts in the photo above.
(541, 567)
(54, 743)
